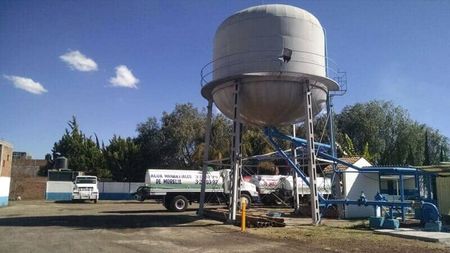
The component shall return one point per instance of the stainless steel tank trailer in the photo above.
(270, 69)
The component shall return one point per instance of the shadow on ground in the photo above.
(101, 221)
(102, 201)
(143, 211)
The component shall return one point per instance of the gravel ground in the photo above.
(39, 226)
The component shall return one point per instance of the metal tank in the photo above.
(272, 51)
(61, 163)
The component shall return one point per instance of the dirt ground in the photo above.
(39, 226)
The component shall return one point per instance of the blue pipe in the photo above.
(298, 142)
(291, 163)
(366, 202)
(433, 207)
(272, 132)
(402, 195)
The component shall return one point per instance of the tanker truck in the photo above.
(278, 189)
(176, 189)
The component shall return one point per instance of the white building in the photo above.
(5, 171)
(355, 183)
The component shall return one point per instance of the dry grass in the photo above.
(351, 238)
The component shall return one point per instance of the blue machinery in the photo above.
(428, 213)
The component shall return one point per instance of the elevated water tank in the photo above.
(249, 47)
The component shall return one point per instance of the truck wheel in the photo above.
(166, 202)
(140, 198)
(179, 203)
(247, 198)
(95, 201)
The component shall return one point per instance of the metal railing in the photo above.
(269, 57)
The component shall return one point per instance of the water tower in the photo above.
(269, 69)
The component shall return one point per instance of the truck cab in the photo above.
(85, 188)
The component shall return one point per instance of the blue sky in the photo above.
(391, 50)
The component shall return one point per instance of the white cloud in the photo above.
(124, 78)
(26, 84)
(79, 61)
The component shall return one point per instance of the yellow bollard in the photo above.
(243, 214)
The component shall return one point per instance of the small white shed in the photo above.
(355, 183)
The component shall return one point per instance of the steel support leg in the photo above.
(311, 156)
(235, 157)
(295, 176)
(205, 157)
(336, 187)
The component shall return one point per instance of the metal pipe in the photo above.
(299, 142)
(243, 214)
(402, 195)
(337, 190)
(295, 176)
(205, 157)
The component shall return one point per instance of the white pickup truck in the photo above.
(179, 188)
(85, 188)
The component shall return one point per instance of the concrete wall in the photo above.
(355, 183)
(4, 190)
(117, 190)
(443, 193)
(5, 171)
(59, 190)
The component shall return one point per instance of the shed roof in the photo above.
(341, 167)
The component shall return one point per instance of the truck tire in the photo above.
(247, 198)
(166, 202)
(179, 203)
(140, 198)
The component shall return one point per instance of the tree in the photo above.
(183, 131)
(426, 152)
(437, 142)
(220, 141)
(391, 135)
(82, 152)
(254, 142)
(366, 153)
(121, 159)
(43, 170)
(150, 142)
(348, 148)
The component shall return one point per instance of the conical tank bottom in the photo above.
(268, 102)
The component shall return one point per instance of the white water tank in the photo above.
(249, 48)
